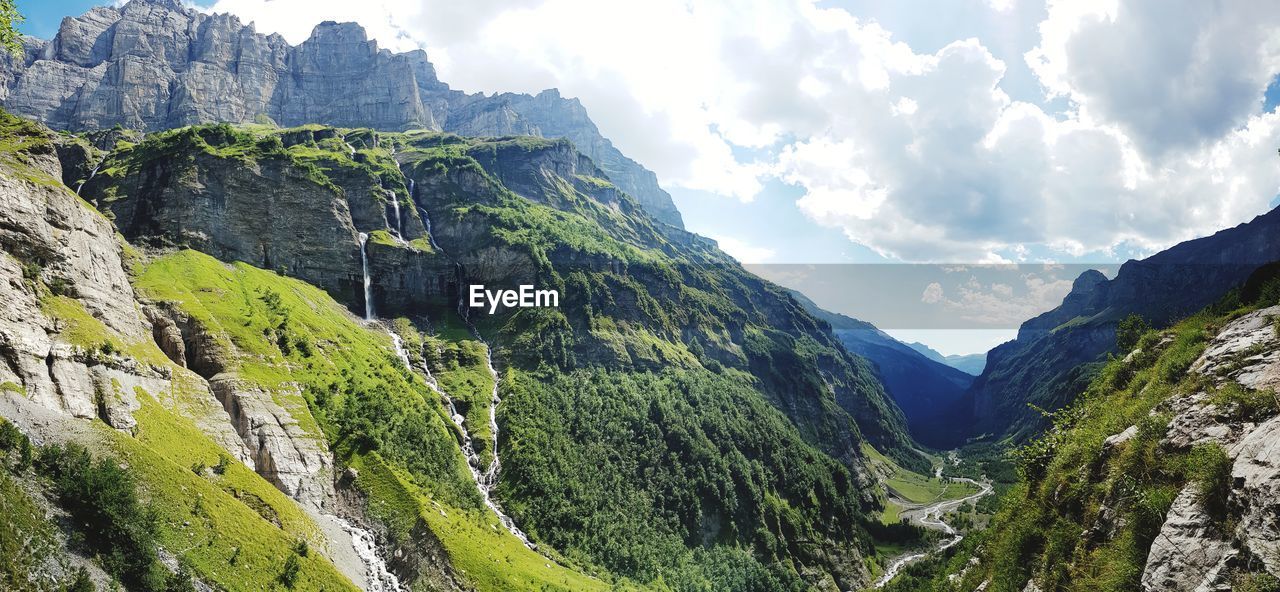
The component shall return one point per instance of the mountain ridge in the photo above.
(925, 389)
(1056, 353)
(154, 64)
(971, 364)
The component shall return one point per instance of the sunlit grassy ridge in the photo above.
(227, 527)
(1042, 530)
(382, 418)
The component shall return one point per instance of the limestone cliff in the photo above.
(154, 65)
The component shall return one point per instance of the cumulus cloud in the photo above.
(744, 251)
(932, 293)
(918, 155)
(1171, 73)
(996, 304)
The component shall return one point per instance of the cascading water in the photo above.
(395, 206)
(368, 284)
(490, 477)
(91, 175)
(377, 577)
(426, 218)
(485, 477)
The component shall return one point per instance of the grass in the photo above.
(202, 520)
(912, 486)
(462, 374)
(1068, 478)
(80, 328)
(26, 535)
(19, 140)
(228, 528)
(478, 546)
(250, 312)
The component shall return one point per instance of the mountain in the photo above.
(154, 65)
(1056, 354)
(1161, 476)
(261, 333)
(971, 364)
(922, 387)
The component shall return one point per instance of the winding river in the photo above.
(930, 516)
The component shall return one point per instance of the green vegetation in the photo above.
(21, 140)
(477, 545)
(10, 18)
(1083, 515)
(912, 486)
(102, 499)
(633, 471)
(82, 329)
(382, 418)
(26, 536)
(1129, 331)
(1209, 468)
(648, 311)
(284, 333)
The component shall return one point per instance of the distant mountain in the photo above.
(923, 388)
(1056, 354)
(971, 364)
(154, 65)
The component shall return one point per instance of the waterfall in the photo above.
(395, 205)
(368, 284)
(377, 577)
(495, 466)
(92, 173)
(487, 477)
(426, 218)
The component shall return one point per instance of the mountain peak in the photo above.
(174, 5)
(334, 31)
(1088, 281)
(338, 76)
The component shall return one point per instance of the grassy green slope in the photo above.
(383, 419)
(1042, 528)
(636, 299)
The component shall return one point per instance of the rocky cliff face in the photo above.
(77, 343)
(1196, 550)
(1047, 364)
(153, 65)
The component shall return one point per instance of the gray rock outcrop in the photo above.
(1194, 551)
(152, 65)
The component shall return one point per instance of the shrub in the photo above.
(1257, 583)
(103, 502)
(1130, 330)
(82, 583)
(289, 577)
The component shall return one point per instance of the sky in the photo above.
(876, 131)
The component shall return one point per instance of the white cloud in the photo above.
(743, 251)
(1171, 73)
(932, 293)
(1000, 304)
(919, 156)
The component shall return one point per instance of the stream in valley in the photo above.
(930, 516)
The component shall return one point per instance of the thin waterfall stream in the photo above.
(378, 578)
(485, 477)
(426, 217)
(92, 174)
(368, 285)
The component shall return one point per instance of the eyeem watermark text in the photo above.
(525, 297)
